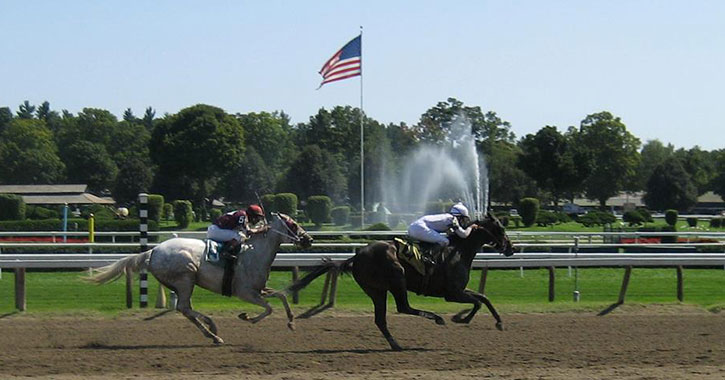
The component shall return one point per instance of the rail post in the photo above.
(143, 214)
(295, 277)
(20, 289)
(680, 293)
(552, 278)
(482, 284)
(625, 284)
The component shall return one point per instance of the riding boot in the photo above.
(231, 249)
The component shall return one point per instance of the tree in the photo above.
(549, 158)
(129, 116)
(314, 172)
(653, 154)
(507, 183)
(670, 187)
(26, 110)
(718, 182)
(193, 148)
(6, 116)
(435, 123)
(29, 154)
(89, 163)
(270, 134)
(51, 118)
(700, 165)
(251, 177)
(148, 118)
(134, 176)
(613, 153)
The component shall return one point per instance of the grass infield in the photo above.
(508, 290)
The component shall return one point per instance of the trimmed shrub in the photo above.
(546, 218)
(503, 217)
(182, 213)
(378, 227)
(634, 218)
(268, 203)
(355, 220)
(437, 207)
(340, 215)
(12, 207)
(156, 205)
(286, 203)
(168, 211)
(646, 215)
(517, 220)
(214, 214)
(692, 222)
(38, 212)
(318, 208)
(716, 222)
(596, 218)
(671, 217)
(528, 209)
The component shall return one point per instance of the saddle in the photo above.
(224, 256)
(420, 255)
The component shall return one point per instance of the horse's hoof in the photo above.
(218, 341)
(456, 319)
(291, 326)
(499, 326)
(396, 348)
(243, 316)
(440, 321)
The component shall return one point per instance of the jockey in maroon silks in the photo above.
(233, 228)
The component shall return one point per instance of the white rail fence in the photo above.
(530, 255)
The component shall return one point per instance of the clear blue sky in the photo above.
(659, 65)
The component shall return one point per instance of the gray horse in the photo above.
(179, 264)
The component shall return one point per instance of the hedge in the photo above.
(12, 207)
(340, 215)
(182, 213)
(529, 209)
(671, 217)
(318, 208)
(156, 206)
(286, 203)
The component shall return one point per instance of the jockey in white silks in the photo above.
(428, 228)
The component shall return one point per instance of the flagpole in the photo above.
(362, 139)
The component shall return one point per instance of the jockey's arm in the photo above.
(460, 231)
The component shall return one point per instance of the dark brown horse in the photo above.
(377, 270)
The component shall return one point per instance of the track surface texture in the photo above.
(633, 342)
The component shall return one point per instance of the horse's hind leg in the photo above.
(183, 305)
(269, 292)
(380, 300)
(400, 293)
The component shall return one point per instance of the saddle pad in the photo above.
(410, 253)
(212, 250)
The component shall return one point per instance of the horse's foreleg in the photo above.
(380, 300)
(255, 297)
(269, 292)
(489, 305)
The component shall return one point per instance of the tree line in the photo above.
(203, 153)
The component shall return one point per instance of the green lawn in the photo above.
(510, 292)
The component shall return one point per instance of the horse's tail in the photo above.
(318, 271)
(130, 263)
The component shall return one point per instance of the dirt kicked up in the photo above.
(630, 343)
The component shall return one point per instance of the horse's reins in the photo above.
(497, 243)
(291, 234)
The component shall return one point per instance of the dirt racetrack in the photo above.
(631, 343)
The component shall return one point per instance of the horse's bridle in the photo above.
(289, 233)
(499, 245)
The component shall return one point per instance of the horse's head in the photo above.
(495, 234)
(293, 232)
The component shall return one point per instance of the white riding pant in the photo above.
(221, 235)
(423, 233)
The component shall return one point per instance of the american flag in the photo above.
(346, 63)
